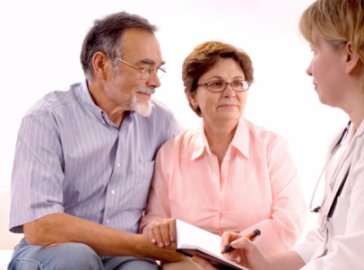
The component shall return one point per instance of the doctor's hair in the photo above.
(204, 57)
(105, 36)
(337, 21)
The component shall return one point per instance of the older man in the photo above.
(84, 157)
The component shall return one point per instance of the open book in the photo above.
(192, 240)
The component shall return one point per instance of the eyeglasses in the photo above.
(145, 72)
(217, 86)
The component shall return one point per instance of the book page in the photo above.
(192, 240)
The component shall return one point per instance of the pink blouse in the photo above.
(256, 187)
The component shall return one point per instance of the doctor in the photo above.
(335, 31)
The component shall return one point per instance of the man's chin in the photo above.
(144, 108)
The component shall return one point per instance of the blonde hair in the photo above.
(337, 21)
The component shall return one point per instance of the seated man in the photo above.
(84, 157)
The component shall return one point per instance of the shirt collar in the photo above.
(200, 145)
(241, 138)
(85, 96)
(240, 141)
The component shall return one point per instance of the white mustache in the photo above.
(145, 90)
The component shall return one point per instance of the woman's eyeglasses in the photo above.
(217, 86)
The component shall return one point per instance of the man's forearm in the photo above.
(61, 228)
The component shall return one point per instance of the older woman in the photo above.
(229, 174)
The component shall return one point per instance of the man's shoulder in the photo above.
(186, 141)
(56, 100)
(161, 108)
(161, 115)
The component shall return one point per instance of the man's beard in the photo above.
(143, 108)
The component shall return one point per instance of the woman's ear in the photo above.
(352, 59)
(192, 99)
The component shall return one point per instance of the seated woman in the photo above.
(229, 174)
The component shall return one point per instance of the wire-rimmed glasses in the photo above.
(216, 86)
(145, 72)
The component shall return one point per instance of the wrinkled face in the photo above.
(228, 105)
(127, 86)
(328, 70)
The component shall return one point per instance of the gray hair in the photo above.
(105, 35)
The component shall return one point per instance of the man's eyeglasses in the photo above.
(145, 72)
(217, 86)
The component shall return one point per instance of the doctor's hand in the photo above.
(245, 252)
(162, 233)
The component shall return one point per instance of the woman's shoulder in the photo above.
(182, 142)
(262, 133)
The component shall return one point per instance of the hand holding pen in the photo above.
(251, 236)
(242, 250)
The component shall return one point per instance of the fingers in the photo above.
(242, 243)
(248, 254)
(228, 237)
(162, 233)
(172, 230)
(240, 246)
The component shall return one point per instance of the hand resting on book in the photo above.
(163, 233)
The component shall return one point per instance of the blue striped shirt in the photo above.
(70, 158)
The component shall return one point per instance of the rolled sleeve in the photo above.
(37, 173)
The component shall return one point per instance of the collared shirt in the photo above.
(256, 187)
(338, 243)
(71, 158)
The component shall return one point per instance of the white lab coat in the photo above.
(345, 241)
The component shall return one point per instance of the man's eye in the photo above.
(142, 69)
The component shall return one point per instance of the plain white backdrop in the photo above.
(41, 41)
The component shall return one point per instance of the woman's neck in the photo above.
(219, 138)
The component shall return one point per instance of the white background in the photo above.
(41, 41)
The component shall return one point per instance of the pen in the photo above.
(251, 236)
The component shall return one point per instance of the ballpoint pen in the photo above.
(228, 248)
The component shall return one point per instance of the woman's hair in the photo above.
(204, 57)
(105, 35)
(337, 21)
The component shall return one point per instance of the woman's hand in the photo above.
(245, 252)
(162, 233)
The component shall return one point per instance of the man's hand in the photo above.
(162, 233)
(147, 249)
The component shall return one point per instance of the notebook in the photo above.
(192, 240)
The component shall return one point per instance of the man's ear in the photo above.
(352, 59)
(99, 64)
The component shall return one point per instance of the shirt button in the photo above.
(118, 165)
(112, 192)
(108, 221)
